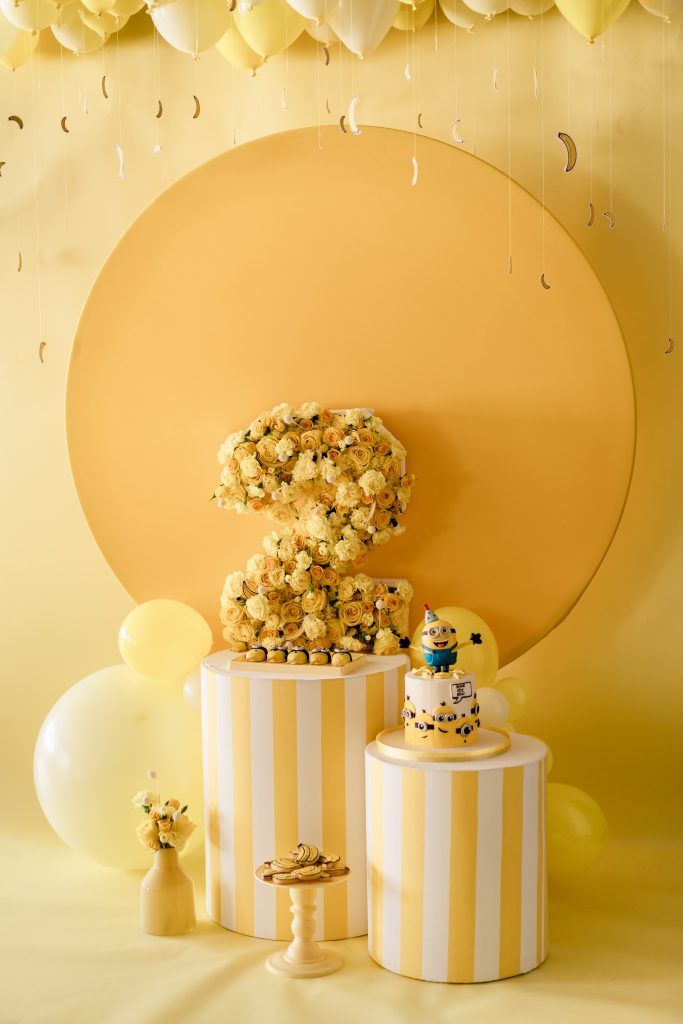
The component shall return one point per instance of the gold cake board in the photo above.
(486, 743)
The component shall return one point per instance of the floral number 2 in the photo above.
(333, 482)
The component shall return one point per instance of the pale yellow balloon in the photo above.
(97, 6)
(493, 707)
(104, 24)
(271, 27)
(19, 51)
(518, 696)
(482, 659)
(125, 8)
(233, 48)
(409, 18)
(74, 34)
(164, 638)
(191, 26)
(591, 17)
(549, 761)
(92, 755)
(30, 15)
(576, 829)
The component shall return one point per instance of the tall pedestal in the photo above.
(457, 886)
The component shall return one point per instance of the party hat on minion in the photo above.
(430, 616)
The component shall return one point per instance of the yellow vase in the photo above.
(167, 897)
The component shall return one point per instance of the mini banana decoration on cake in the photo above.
(440, 644)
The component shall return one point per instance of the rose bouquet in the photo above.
(166, 826)
(335, 482)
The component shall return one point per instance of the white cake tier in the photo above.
(440, 710)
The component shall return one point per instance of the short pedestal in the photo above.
(457, 885)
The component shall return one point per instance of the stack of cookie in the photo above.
(305, 864)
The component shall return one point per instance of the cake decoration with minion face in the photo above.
(440, 644)
(465, 728)
(445, 719)
(408, 714)
(423, 729)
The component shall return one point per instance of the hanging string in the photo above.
(119, 89)
(610, 124)
(542, 91)
(15, 178)
(36, 205)
(65, 152)
(509, 140)
(157, 149)
(474, 93)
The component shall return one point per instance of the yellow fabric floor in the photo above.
(72, 952)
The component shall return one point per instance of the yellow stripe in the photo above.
(463, 880)
(374, 705)
(400, 692)
(376, 865)
(412, 871)
(511, 873)
(333, 743)
(211, 684)
(285, 794)
(543, 857)
(539, 866)
(243, 834)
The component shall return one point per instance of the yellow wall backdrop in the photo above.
(606, 681)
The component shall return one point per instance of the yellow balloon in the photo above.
(409, 18)
(591, 17)
(482, 659)
(493, 707)
(19, 51)
(576, 829)
(163, 638)
(270, 27)
(518, 696)
(104, 23)
(92, 755)
(233, 47)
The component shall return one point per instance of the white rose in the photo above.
(258, 607)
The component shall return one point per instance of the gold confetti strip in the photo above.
(591, 215)
(670, 347)
(570, 146)
(326, 51)
(41, 351)
(545, 283)
(103, 84)
(327, 106)
(122, 161)
(160, 109)
(342, 119)
(407, 73)
(455, 132)
(419, 120)
(416, 171)
(495, 79)
(17, 120)
(197, 108)
(65, 127)
(20, 262)
(353, 125)
(610, 217)
(2, 164)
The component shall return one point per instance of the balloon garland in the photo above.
(247, 32)
(335, 482)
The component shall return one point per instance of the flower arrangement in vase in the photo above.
(167, 892)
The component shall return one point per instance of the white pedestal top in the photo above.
(523, 750)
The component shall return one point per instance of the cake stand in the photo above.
(303, 958)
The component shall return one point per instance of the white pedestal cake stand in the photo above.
(303, 958)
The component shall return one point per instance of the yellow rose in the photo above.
(148, 835)
(351, 613)
(232, 465)
(232, 613)
(332, 436)
(313, 602)
(392, 602)
(173, 804)
(316, 573)
(334, 630)
(408, 480)
(280, 513)
(291, 612)
(329, 578)
(391, 467)
(385, 498)
(292, 630)
(306, 423)
(382, 519)
(333, 455)
(380, 589)
(366, 436)
(299, 581)
(383, 448)
(289, 565)
(320, 553)
(310, 440)
(266, 451)
(382, 618)
(164, 825)
(244, 451)
(361, 456)
(257, 504)
(243, 632)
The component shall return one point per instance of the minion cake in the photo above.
(440, 708)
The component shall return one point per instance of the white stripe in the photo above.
(208, 680)
(489, 839)
(369, 801)
(226, 799)
(392, 855)
(390, 698)
(262, 800)
(354, 718)
(310, 771)
(544, 858)
(527, 958)
(436, 874)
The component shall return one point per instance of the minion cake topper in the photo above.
(440, 644)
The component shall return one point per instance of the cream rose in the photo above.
(258, 607)
(332, 436)
(391, 467)
(232, 613)
(314, 601)
(382, 519)
(267, 452)
(243, 632)
(291, 611)
(360, 455)
(351, 613)
(386, 497)
(310, 440)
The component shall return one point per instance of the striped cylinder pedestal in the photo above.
(283, 763)
(457, 887)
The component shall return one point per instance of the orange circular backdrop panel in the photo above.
(282, 271)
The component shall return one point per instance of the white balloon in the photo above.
(322, 33)
(8, 33)
(104, 23)
(488, 7)
(192, 691)
(74, 34)
(125, 8)
(32, 15)
(531, 8)
(663, 8)
(459, 14)
(313, 9)
(493, 707)
(362, 24)
(191, 25)
(97, 6)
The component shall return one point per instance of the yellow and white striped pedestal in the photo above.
(283, 763)
(457, 886)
